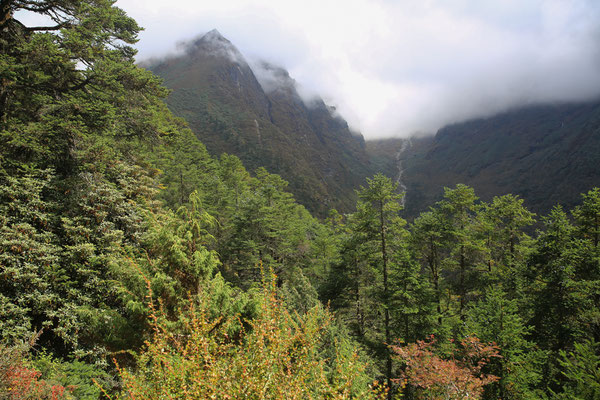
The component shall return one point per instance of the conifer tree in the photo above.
(506, 243)
(466, 246)
(382, 235)
(68, 81)
(428, 241)
(587, 216)
(496, 319)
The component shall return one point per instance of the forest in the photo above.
(135, 265)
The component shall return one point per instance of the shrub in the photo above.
(277, 355)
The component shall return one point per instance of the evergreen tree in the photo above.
(557, 299)
(506, 243)
(428, 241)
(587, 216)
(383, 238)
(587, 228)
(349, 278)
(496, 319)
(581, 369)
(466, 252)
(64, 83)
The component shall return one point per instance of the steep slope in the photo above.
(546, 154)
(216, 91)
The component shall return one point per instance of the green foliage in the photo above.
(507, 245)
(560, 296)
(581, 369)
(465, 250)
(496, 319)
(60, 273)
(428, 241)
(50, 107)
(29, 256)
(80, 379)
(108, 202)
(277, 357)
(587, 216)
(385, 297)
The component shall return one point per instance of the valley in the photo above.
(197, 227)
(546, 154)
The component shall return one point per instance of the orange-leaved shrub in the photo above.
(461, 376)
(276, 355)
(20, 381)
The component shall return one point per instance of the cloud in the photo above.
(392, 68)
(271, 77)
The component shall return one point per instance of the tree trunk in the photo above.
(382, 229)
(435, 278)
(463, 290)
(360, 321)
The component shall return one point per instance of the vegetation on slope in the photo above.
(546, 154)
(124, 243)
(216, 91)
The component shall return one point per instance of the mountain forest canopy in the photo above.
(134, 264)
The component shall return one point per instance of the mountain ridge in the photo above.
(545, 153)
(269, 124)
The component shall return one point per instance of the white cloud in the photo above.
(395, 67)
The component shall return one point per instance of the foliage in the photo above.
(581, 368)
(503, 222)
(104, 194)
(496, 318)
(21, 381)
(460, 376)
(277, 356)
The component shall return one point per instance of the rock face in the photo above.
(265, 123)
(546, 154)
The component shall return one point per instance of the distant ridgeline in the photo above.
(546, 154)
(265, 124)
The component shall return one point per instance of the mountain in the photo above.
(265, 123)
(546, 154)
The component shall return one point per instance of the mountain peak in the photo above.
(214, 44)
(212, 39)
(214, 35)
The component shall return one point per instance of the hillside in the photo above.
(546, 154)
(216, 91)
(135, 265)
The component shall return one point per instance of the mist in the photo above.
(395, 68)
